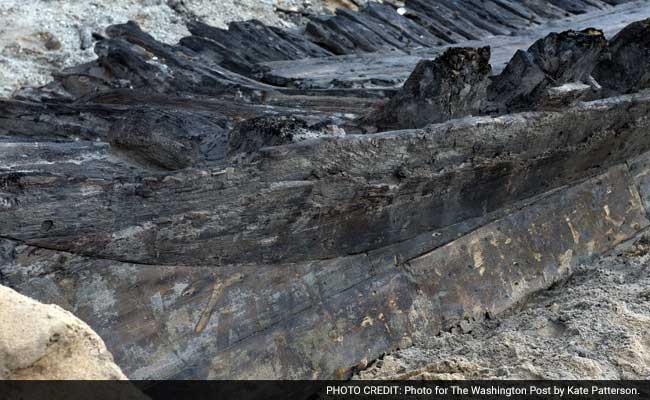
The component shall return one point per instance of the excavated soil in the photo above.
(592, 326)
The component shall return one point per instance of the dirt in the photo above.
(592, 326)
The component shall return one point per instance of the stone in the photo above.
(85, 37)
(466, 326)
(39, 341)
(49, 41)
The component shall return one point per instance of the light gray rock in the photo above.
(40, 341)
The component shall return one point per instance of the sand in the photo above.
(592, 326)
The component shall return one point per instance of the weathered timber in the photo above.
(92, 116)
(213, 61)
(253, 134)
(391, 69)
(451, 86)
(625, 67)
(46, 121)
(552, 61)
(320, 319)
(555, 72)
(339, 196)
(171, 140)
(245, 44)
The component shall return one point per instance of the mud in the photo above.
(592, 326)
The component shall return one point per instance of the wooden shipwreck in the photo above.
(249, 204)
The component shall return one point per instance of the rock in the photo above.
(170, 139)
(640, 247)
(466, 326)
(645, 295)
(40, 341)
(557, 59)
(451, 86)
(405, 342)
(580, 351)
(49, 41)
(85, 37)
(624, 69)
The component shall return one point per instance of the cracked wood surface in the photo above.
(165, 316)
(340, 196)
(390, 70)
(317, 319)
